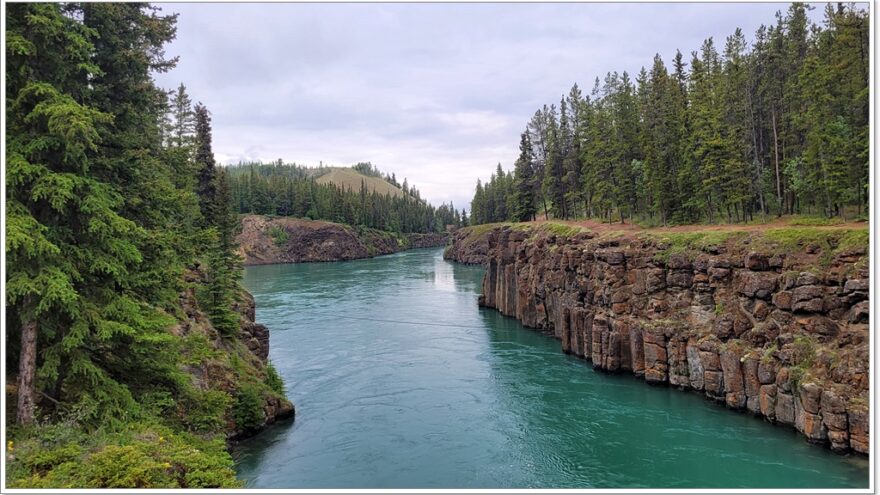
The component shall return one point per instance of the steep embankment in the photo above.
(774, 323)
(266, 240)
(178, 434)
(237, 367)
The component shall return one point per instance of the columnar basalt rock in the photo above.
(760, 332)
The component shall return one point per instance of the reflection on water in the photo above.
(401, 381)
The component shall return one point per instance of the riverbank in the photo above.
(264, 240)
(773, 322)
(178, 434)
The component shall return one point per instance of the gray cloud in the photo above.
(437, 93)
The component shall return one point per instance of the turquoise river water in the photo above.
(401, 381)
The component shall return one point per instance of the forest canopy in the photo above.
(776, 126)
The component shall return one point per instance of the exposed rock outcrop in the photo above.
(266, 240)
(229, 365)
(469, 245)
(762, 332)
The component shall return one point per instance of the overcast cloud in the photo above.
(437, 93)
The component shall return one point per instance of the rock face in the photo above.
(218, 373)
(265, 241)
(469, 246)
(758, 332)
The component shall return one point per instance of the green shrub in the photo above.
(196, 349)
(804, 351)
(205, 411)
(279, 236)
(767, 356)
(247, 411)
(143, 457)
(273, 380)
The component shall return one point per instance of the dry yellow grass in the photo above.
(351, 179)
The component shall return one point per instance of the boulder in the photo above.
(756, 284)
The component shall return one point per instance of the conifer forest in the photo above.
(772, 125)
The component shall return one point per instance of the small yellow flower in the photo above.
(10, 445)
(161, 439)
(166, 465)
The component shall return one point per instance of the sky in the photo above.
(436, 93)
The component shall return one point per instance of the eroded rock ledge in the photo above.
(266, 240)
(771, 331)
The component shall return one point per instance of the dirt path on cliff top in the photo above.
(775, 223)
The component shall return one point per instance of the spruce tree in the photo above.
(206, 186)
(524, 202)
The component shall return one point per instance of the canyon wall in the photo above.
(469, 245)
(264, 240)
(758, 322)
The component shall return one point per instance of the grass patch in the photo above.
(561, 229)
(829, 242)
(814, 221)
(767, 356)
(852, 239)
(689, 243)
(279, 236)
(804, 356)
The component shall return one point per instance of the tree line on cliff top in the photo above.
(285, 189)
(112, 195)
(778, 126)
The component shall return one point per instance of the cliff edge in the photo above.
(773, 323)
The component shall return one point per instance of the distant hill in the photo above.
(350, 178)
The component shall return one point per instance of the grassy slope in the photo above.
(351, 179)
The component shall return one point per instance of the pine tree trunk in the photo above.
(776, 152)
(27, 370)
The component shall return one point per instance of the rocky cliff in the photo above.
(266, 240)
(236, 367)
(469, 245)
(771, 323)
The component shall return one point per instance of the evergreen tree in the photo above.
(206, 186)
(183, 119)
(524, 202)
(96, 228)
(224, 265)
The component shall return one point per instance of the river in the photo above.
(401, 381)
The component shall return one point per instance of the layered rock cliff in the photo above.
(266, 240)
(773, 323)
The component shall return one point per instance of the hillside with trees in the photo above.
(777, 126)
(350, 178)
(127, 330)
(292, 190)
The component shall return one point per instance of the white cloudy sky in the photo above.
(437, 93)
